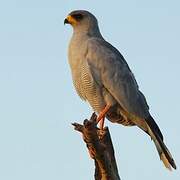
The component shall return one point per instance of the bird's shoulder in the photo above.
(99, 44)
(101, 50)
(102, 55)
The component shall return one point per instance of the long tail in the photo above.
(156, 135)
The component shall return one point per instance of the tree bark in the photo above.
(100, 148)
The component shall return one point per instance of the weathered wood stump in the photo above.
(100, 148)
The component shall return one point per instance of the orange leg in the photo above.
(101, 123)
(101, 116)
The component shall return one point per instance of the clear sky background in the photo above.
(38, 101)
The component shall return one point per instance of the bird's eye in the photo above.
(77, 16)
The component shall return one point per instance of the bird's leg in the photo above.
(101, 116)
(101, 123)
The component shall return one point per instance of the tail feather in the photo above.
(152, 124)
(163, 151)
(165, 161)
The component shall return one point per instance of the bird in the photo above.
(102, 77)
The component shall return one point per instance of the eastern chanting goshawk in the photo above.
(102, 77)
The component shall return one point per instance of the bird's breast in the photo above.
(86, 86)
(84, 83)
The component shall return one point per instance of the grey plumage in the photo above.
(102, 77)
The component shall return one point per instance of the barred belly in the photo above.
(87, 88)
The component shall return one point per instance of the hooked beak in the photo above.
(66, 21)
(70, 20)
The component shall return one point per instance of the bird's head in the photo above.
(81, 20)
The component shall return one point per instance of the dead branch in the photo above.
(100, 148)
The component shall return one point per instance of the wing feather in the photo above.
(109, 69)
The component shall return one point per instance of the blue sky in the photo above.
(38, 101)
